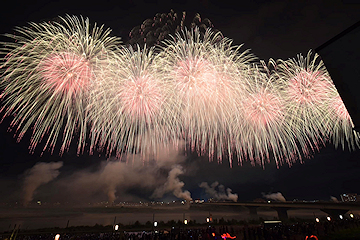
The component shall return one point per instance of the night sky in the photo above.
(271, 29)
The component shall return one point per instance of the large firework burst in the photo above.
(60, 77)
(130, 106)
(263, 130)
(308, 93)
(46, 76)
(206, 79)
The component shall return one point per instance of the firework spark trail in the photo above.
(47, 72)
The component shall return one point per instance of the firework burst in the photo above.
(63, 78)
(130, 109)
(341, 131)
(263, 132)
(47, 73)
(206, 79)
(307, 91)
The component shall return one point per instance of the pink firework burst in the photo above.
(65, 73)
(196, 79)
(141, 98)
(307, 87)
(48, 70)
(262, 126)
(263, 108)
(205, 75)
(129, 105)
(308, 91)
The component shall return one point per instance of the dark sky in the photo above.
(271, 29)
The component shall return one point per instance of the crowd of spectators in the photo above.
(294, 231)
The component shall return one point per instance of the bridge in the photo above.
(334, 209)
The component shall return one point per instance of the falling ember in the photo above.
(341, 128)
(65, 72)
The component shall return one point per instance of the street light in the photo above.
(57, 236)
(185, 221)
(351, 215)
(328, 218)
(317, 219)
(155, 224)
(116, 227)
(207, 219)
(341, 216)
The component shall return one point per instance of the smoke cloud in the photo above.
(219, 194)
(116, 178)
(333, 199)
(41, 173)
(174, 185)
(275, 196)
(109, 178)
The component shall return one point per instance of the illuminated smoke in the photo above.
(220, 193)
(333, 199)
(115, 177)
(41, 173)
(275, 196)
(174, 185)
